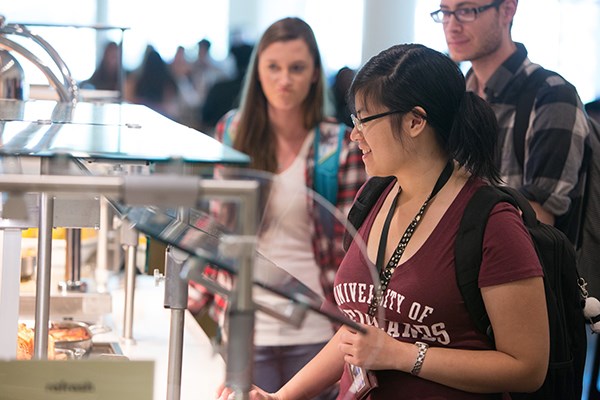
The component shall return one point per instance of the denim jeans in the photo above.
(275, 365)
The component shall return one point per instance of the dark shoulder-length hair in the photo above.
(409, 75)
(254, 135)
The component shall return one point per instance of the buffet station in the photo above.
(86, 186)
(62, 166)
(62, 163)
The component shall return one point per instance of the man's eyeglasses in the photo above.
(358, 122)
(467, 14)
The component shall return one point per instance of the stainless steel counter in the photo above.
(202, 371)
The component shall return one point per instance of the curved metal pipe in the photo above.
(70, 90)
(68, 80)
(63, 93)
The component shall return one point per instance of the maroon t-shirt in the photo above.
(423, 301)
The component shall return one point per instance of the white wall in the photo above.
(386, 23)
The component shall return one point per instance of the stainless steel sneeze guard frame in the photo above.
(62, 133)
(246, 191)
(178, 233)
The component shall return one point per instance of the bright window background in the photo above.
(337, 25)
(559, 34)
(177, 23)
(75, 46)
(180, 22)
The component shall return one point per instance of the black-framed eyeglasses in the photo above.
(358, 122)
(467, 14)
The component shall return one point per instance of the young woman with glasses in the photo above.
(415, 122)
(281, 115)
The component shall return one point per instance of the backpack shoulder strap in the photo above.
(327, 146)
(468, 251)
(366, 198)
(517, 199)
(524, 106)
(227, 131)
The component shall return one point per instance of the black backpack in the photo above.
(564, 298)
(582, 223)
(568, 342)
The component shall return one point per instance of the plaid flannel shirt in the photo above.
(555, 138)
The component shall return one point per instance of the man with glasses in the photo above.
(479, 31)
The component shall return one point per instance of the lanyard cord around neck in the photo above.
(386, 273)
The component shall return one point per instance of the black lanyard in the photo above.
(386, 273)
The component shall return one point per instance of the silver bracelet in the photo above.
(420, 357)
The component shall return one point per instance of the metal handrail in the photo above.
(68, 90)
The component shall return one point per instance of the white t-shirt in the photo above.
(287, 243)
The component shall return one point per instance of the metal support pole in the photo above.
(175, 355)
(129, 238)
(241, 312)
(176, 296)
(101, 272)
(73, 270)
(72, 282)
(42, 290)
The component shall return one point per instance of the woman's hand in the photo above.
(373, 350)
(256, 393)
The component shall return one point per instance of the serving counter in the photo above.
(61, 165)
(202, 369)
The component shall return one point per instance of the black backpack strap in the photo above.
(520, 201)
(468, 251)
(363, 203)
(469, 244)
(524, 106)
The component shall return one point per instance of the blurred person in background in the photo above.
(106, 75)
(225, 95)
(339, 90)
(593, 110)
(154, 86)
(188, 98)
(180, 66)
(206, 71)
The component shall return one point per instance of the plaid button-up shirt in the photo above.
(555, 138)
(326, 242)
